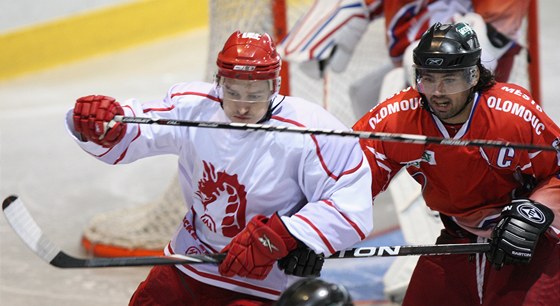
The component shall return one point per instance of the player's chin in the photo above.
(243, 119)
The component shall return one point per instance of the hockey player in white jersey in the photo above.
(277, 203)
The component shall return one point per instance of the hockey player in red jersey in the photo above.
(276, 203)
(507, 196)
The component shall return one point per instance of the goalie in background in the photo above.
(506, 196)
(276, 203)
(327, 35)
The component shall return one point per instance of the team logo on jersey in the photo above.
(192, 250)
(222, 195)
(427, 157)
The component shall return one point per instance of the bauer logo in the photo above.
(243, 68)
(434, 61)
(531, 212)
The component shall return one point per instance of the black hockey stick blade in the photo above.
(29, 231)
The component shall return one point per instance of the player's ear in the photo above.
(474, 75)
(477, 75)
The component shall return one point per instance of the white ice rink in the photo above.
(63, 187)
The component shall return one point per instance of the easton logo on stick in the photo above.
(370, 251)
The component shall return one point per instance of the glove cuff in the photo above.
(276, 224)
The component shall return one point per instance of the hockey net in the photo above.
(370, 60)
(146, 230)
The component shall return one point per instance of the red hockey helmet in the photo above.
(249, 56)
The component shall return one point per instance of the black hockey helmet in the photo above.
(452, 50)
(315, 292)
(447, 46)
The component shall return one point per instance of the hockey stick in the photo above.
(393, 137)
(28, 230)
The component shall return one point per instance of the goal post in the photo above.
(532, 34)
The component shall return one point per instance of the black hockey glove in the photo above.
(303, 262)
(515, 236)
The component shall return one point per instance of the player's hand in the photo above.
(515, 236)
(93, 119)
(327, 35)
(253, 252)
(302, 262)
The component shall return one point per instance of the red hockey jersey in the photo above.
(470, 184)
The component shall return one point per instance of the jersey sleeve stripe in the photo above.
(354, 225)
(216, 99)
(317, 149)
(162, 109)
(135, 137)
(323, 238)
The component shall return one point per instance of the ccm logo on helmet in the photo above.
(252, 35)
(243, 68)
(434, 61)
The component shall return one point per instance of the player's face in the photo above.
(245, 101)
(447, 93)
(450, 107)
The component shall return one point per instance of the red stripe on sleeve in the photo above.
(196, 94)
(323, 238)
(318, 150)
(136, 137)
(356, 228)
(161, 109)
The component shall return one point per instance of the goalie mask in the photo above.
(250, 57)
(315, 292)
(446, 59)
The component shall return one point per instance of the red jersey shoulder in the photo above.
(512, 92)
(396, 114)
(511, 108)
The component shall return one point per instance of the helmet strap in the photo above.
(270, 110)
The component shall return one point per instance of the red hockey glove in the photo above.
(93, 117)
(253, 252)
(515, 237)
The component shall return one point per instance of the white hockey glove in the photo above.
(326, 35)
(515, 237)
(493, 43)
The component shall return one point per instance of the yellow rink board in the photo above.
(96, 32)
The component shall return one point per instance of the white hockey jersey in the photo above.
(321, 187)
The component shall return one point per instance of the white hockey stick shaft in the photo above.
(29, 231)
(393, 137)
